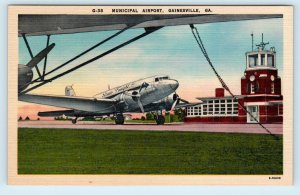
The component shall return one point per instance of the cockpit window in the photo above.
(161, 78)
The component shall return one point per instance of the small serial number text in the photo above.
(97, 10)
(275, 177)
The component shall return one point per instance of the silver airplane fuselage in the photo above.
(149, 90)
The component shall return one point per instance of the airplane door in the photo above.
(254, 110)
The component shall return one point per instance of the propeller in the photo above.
(136, 95)
(177, 99)
(36, 59)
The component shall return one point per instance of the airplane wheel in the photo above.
(160, 120)
(74, 121)
(119, 119)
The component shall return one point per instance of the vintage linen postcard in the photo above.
(150, 95)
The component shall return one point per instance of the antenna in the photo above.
(252, 40)
(262, 44)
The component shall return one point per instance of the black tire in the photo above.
(74, 121)
(119, 119)
(160, 120)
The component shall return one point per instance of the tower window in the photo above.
(271, 60)
(252, 88)
(253, 60)
(262, 59)
(272, 88)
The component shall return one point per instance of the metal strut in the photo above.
(45, 61)
(31, 55)
(201, 45)
(147, 32)
(83, 53)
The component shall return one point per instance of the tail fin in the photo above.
(69, 91)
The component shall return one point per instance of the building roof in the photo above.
(225, 97)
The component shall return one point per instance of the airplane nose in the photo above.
(173, 84)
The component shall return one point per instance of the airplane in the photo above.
(56, 24)
(143, 95)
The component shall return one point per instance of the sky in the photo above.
(170, 50)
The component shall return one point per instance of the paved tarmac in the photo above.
(188, 127)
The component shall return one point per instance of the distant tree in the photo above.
(168, 117)
(27, 118)
(149, 116)
(180, 113)
(143, 118)
(20, 118)
(89, 118)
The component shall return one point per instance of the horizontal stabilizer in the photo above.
(56, 113)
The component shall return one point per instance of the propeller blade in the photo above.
(136, 97)
(140, 105)
(177, 99)
(185, 101)
(36, 59)
(175, 103)
(144, 85)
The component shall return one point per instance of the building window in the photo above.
(272, 88)
(271, 60)
(280, 109)
(229, 107)
(252, 88)
(262, 60)
(196, 111)
(217, 109)
(253, 60)
(210, 109)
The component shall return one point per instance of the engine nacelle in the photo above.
(25, 76)
(129, 98)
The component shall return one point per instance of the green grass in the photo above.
(61, 151)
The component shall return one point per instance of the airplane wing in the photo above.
(72, 102)
(34, 25)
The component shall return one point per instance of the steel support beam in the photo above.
(148, 31)
(45, 61)
(31, 55)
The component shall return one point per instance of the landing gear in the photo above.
(74, 120)
(160, 120)
(119, 119)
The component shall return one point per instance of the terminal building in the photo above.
(260, 95)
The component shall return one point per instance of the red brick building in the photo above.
(260, 95)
